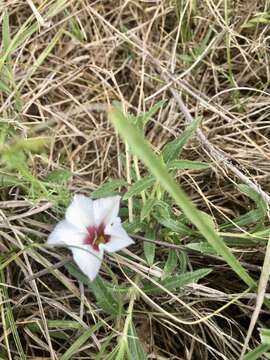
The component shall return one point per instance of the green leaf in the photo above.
(135, 349)
(26, 30)
(56, 7)
(175, 282)
(149, 252)
(139, 186)
(187, 165)
(117, 353)
(183, 260)
(248, 191)
(59, 176)
(175, 226)
(6, 40)
(101, 355)
(9, 180)
(18, 39)
(36, 325)
(34, 145)
(259, 18)
(149, 247)
(78, 343)
(146, 208)
(142, 149)
(265, 336)
(5, 88)
(15, 160)
(103, 295)
(6, 32)
(163, 210)
(10, 322)
(207, 219)
(202, 247)
(75, 30)
(256, 197)
(133, 227)
(108, 188)
(257, 353)
(188, 59)
(171, 263)
(141, 120)
(249, 218)
(173, 149)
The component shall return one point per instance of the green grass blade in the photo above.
(74, 348)
(46, 52)
(26, 30)
(187, 165)
(18, 39)
(36, 326)
(101, 355)
(6, 34)
(176, 282)
(142, 149)
(4, 87)
(257, 352)
(174, 148)
(10, 320)
(108, 189)
(139, 186)
(135, 349)
(57, 7)
(265, 336)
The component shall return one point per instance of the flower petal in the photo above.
(66, 234)
(106, 209)
(80, 212)
(119, 237)
(88, 260)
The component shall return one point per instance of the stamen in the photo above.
(96, 236)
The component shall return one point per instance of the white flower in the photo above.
(89, 228)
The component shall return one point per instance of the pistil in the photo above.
(96, 236)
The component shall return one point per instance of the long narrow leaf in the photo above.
(75, 347)
(173, 149)
(104, 297)
(10, 320)
(135, 348)
(176, 282)
(139, 186)
(142, 149)
(257, 352)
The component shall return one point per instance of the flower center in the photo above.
(96, 236)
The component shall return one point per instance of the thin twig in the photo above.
(142, 238)
(48, 269)
(194, 251)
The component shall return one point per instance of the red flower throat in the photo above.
(96, 236)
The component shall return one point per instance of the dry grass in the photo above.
(57, 82)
